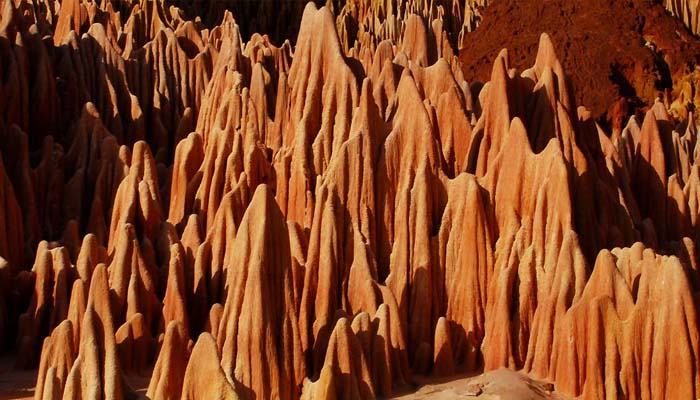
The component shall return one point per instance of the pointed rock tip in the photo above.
(518, 134)
(499, 71)
(263, 196)
(546, 55)
(99, 282)
(605, 263)
(649, 118)
(342, 325)
(141, 153)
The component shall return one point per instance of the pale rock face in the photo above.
(335, 219)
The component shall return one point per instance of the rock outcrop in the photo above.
(187, 204)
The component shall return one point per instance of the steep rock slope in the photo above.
(618, 66)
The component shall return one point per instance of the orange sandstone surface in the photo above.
(191, 210)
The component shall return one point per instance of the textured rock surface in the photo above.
(619, 67)
(190, 209)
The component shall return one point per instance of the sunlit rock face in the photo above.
(337, 215)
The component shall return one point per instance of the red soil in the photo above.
(601, 43)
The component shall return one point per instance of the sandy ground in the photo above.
(502, 384)
(15, 384)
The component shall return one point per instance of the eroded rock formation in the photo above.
(333, 218)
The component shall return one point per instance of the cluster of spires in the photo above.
(325, 221)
